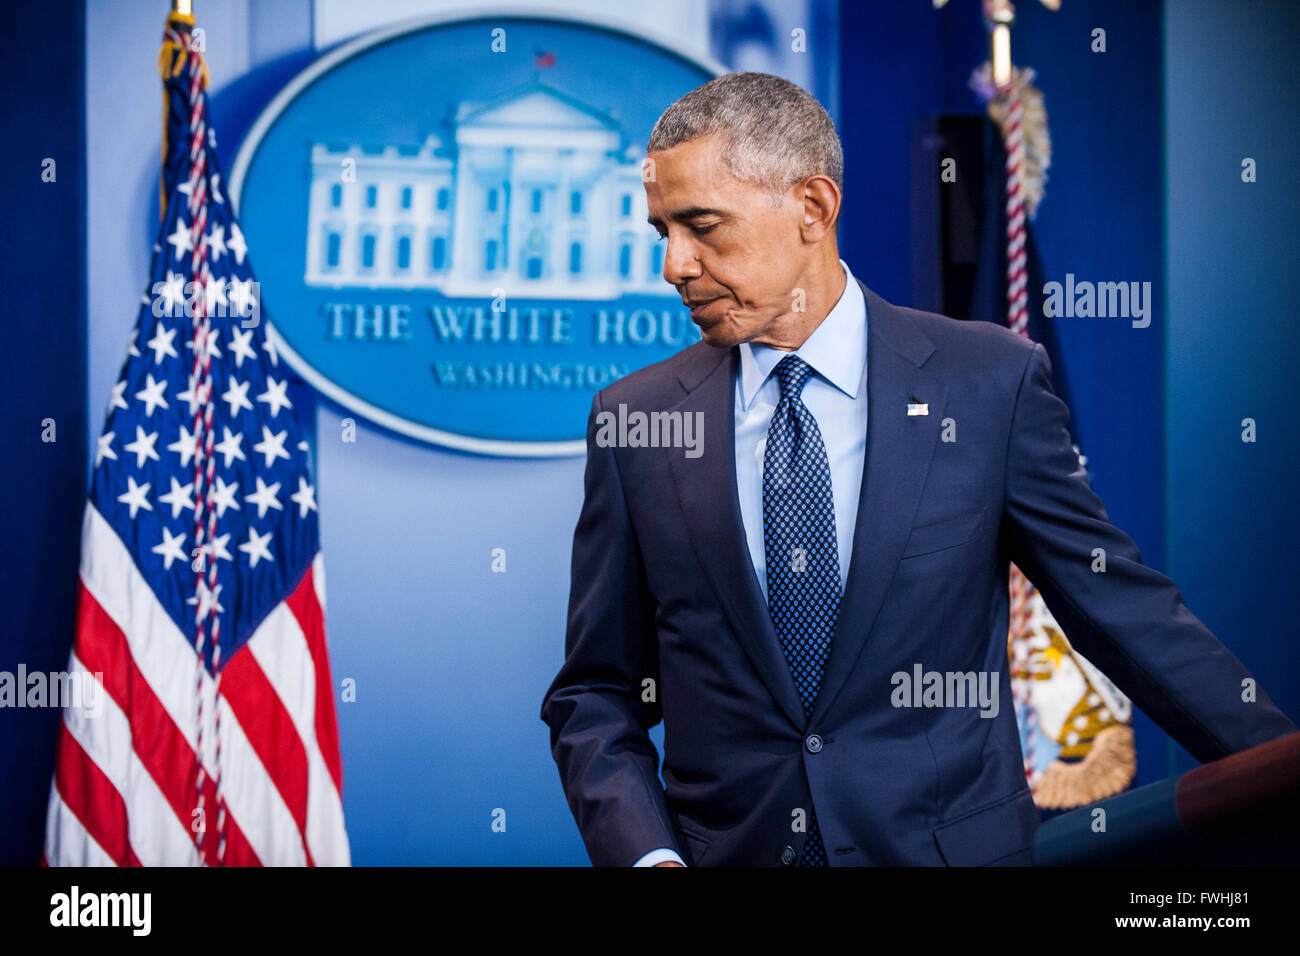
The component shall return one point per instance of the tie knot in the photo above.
(793, 373)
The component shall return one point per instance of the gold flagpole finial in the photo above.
(184, 7)
(998, 17)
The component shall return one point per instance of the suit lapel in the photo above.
(706, 491)
(899, 450)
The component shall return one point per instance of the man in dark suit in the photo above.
(867, 473)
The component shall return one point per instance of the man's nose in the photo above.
(680, 261)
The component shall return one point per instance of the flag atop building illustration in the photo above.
(201, 606)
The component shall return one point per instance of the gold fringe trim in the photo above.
(1033, 126)
(1107, 769)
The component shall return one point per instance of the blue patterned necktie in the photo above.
(803, 566)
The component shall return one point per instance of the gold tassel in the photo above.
(171, 58)
(1033, 126)
(1106, 770)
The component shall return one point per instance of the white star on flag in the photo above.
(305, 497)
(223, 496)
(268, 346)
(105, 449)
(187, 447)
(265, 497)
(191, 395)
(178, 497)
(118, 399)
(236, 243)
(275, 395)
(206, 598)
(142, 447)
(161, 343)
(180, 239)
(272, 446)
(170, 548)
(229, 446)
(172, 292)
(152, 395)
(237, 396)
(216, 548)
(255, 547)
(134, 497)
(216, 241)
(212, 351)
(240, 347)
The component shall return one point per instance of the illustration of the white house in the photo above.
(535, 194)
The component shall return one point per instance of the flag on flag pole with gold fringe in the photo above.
(202, 598)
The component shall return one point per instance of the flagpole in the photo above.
(999, 15)
(179, 54)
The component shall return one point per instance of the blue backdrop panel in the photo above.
(43, 368)
(1233, 341)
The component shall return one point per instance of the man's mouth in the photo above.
(697, 304)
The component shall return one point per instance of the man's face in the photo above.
(733, 256)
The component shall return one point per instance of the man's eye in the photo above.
(698, 230)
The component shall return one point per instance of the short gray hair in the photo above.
(774, 132)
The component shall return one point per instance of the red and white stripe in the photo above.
(124, 792)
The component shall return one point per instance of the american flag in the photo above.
(202, 589)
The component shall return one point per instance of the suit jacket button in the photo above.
(813, 743)
(787, 855)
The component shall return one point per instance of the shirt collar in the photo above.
(836, 349)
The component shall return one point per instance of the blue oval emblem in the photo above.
(449, 225)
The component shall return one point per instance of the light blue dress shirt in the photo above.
(837, 398)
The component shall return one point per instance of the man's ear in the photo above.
(821, 207)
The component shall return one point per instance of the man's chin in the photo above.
(718, 336)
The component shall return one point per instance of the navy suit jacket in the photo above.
(667, 622)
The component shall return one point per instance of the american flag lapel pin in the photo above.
(917, 408)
